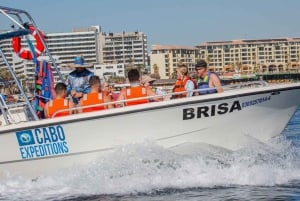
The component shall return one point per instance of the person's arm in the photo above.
(69, 85)
(150, 92)
(71, 106)
(216, 83)
(79, 106)
(189, 87)
(46, 113)
(107, 99)
(121, 97)
(87, 87)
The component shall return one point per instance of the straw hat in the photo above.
(146, 79)
(79, 62)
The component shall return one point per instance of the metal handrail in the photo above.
(163, 96)
(18, 17)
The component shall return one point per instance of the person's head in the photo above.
(201, 68)
(61, 89)
(146, 80)
(106, 88)
(79, 63)
(95, 83)
(182, 71)
(133, 75)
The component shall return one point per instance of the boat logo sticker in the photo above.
(25, 137)
(42, 142)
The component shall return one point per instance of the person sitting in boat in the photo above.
(60, 102)
(184, 83)
(108, 89)
(95, 97)
(78, 79)
(135, 90)
(148, 81)
(208, 82)
(7, 98)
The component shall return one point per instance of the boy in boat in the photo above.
(135, 91)
(60, 102)
(208, 82)
(95, 97)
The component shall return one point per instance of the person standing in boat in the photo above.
(78, 79)
(208, 82)
(184, 85)
(135, 90)
(60, 102)
(95, 97)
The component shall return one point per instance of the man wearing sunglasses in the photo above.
(208, 82)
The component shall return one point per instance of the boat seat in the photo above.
(15, 113)
(11, 34)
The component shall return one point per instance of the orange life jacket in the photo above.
(136, 92)
(180, 86)
(56, 105)
(92, 99)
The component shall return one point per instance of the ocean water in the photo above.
(146, 171)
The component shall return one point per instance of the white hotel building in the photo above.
(125, 47)
(104, 51)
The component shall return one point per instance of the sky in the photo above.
(170, 22)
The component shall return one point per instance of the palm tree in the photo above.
(6, 76)
(238, 66)
(208, 60)
(129, 66)
(298, 61)
(156, 71)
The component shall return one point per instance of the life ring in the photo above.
(25, 53)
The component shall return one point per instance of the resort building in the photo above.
(253, 56)
(125, 47)
(105, 71)
(106, 51)
(62, 46)
(81, 41)
(164, 59)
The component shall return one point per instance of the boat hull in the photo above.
(229, 120)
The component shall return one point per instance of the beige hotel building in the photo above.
(164, 59)
(253, 56)
(239, 56)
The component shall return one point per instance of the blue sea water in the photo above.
(146, 171)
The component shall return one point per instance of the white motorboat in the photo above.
(32, 147)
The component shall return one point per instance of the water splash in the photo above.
(147, 168)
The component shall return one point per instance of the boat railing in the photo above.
(162, 97)
(18, 112)
(250, 84)
(120, 103)
(17, 20)
(13, 113)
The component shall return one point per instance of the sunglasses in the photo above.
(199, 68)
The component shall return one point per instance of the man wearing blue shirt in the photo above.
(78, 79)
